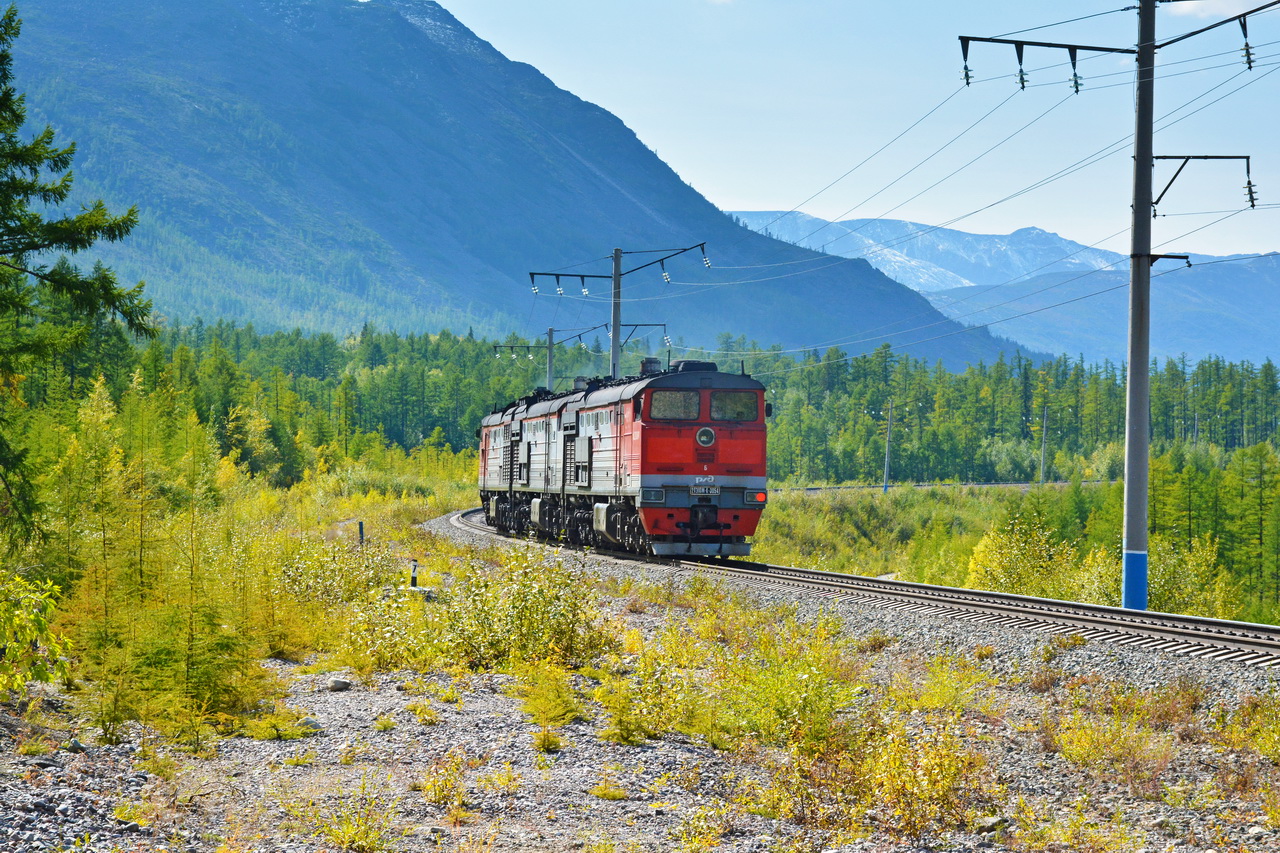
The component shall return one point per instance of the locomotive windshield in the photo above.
(734, 406)
(674, 405)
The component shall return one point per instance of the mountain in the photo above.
(323, 163)
(927, 258)
(1224, 309)
(1069, 298)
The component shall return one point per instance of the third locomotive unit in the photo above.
(671, 462)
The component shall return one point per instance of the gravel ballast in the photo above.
(250, 794)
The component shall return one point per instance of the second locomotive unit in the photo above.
(671, 462)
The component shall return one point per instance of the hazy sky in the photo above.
(759, 104)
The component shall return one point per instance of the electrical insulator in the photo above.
(497, 355)
(531, 356)
(666, 339)
(1022, 78)
(559, 290)
(535, 290)
(1248, 56)
(706, 261)
(1251, 193)
(513, 356)
(666, 276)
(1076, 83)
(967, 74)
(584, 291)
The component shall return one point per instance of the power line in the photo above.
(861, 163)
(935, 153)
(1099, 155)
(1070, 21)
(998, 305)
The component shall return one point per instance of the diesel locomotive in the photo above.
(670, 462)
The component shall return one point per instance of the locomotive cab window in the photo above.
(674, 405)
(735, 406)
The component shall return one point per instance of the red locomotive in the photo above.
(671, 462)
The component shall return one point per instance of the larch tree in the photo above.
(36, 237)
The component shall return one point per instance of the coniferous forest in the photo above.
(282, 407)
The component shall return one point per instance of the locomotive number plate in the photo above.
(704, 490)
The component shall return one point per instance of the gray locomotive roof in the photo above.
(529, 407)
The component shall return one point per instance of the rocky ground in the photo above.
(369, 751)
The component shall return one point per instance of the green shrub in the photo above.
(361, 823)
(951, 684)
(29, 649)
(524, 608)
(1041, 830)
(924, 783)
(280, 724)
(1021, 556)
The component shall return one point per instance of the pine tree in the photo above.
(35, 180)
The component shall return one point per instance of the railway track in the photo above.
(1193, 636)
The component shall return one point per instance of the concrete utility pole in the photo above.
(615, 325)
(1137, 413)
(551, 358)
(1044, 439)
(888, 442)
(1138, 395)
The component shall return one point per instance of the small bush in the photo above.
(441, 785)
(34, 746)
(547, 741)
(503, 781)
(280, 724)
(525, 609)
(547, 694)
(29, 648)
(925, 783)
(361, 823)
(1116, 745)
(874, 642)
(703, 829)
(1254, 726)
(1041, 830)
(1059, 643)
(951, 684)
(423, 713)
(1044, 679)
(304, 759)
(608, 789)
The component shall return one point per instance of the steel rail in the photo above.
(1196, 636)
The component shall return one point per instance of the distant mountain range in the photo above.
(1052, 294)
(323, 163)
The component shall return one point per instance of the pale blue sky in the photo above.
(761, 103)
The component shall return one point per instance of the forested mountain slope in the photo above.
(326, 162)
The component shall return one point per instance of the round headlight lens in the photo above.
(706, 436)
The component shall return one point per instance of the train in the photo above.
(670, 462)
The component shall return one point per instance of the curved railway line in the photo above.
(1194, 636)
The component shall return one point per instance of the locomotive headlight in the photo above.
(706, 436)
(652, 496)
(756, 497)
